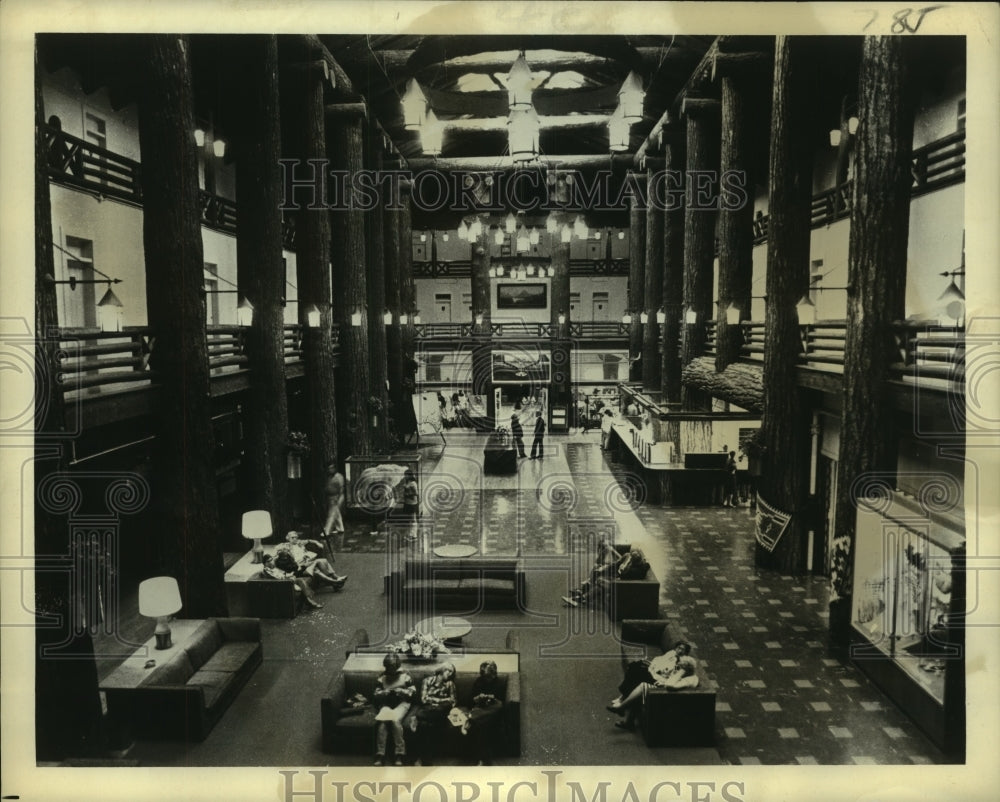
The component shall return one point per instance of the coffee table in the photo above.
(455, 550)
(446, 628)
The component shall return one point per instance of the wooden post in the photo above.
(653, 293)
(393, 333)
(407, 301)
(739, 115)
(561, 392)
(877, 252)
(378, 407)
(699, 232)
(345, 144)
(636, 271)
(673, 274)
(185, 502)
(257, 146)
(785, 416)
(67, 702)
(304, 103)
(480, 280)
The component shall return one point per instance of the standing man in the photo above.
(517, 433)
(732, 496)
(536, 444)
(334, 501)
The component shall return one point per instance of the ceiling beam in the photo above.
(499, 163)
(544, 122)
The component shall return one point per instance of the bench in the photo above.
(467, 584)
(353, 730)
(669, 717)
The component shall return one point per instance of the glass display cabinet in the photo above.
(374, 484)
(907, 611)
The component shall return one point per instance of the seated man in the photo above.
(673, 670)
(610, 564)
(301, 558)
(271, 571)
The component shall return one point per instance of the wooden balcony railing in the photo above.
(82, 164)
(587, 330)
(753, 341)
(711, 327)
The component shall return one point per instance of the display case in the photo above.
(907, 611)
(374, 484)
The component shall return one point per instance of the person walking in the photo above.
(732, 495)
(517, 434)
(607, 421)
(334, 501)
(537, 449)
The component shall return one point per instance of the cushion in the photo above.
(204, 643)
(505, 586)
(430, 585)
(176, 671)
(230, 657)
(213, 683)
(362, 722)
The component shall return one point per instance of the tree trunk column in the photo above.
(562, 344)
(877, 253)
(407, 301)
(186, 518)
(653, 293)
(312, 277)
(257, 144)
(673, 269)
(699, 232)
(785, 425)
(393, 333)
(735, 222)
(636, 271)
(480, 281)
(378, 413)
(345, 144)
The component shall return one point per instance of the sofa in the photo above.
(352, 730)
(467, 584)
(630, 598)
(670, 718)
(187, 695)
(249, 592)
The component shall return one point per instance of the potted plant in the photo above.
(753, 448)
(298, 449)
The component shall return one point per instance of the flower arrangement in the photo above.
(417, 644)
(298, 443)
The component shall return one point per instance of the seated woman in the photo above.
(437, 698)
(393, 695)
(673, 670)
(610, 564)
(484, 717)
(301, 557)
(271, 571)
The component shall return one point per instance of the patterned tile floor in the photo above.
(784, 699)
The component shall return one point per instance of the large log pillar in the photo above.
(562, 374)
(673, 267)
(636, 270)
(304, 102)
(741, 118)
(257, 145)
(378, 410)
(785, 416)
(407, 303)
(699, 233)
(480, 281)
(653, 278)
(345, 144)
(186, 529)
(877, 253)
(391, 222)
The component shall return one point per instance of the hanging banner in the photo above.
(771, 524)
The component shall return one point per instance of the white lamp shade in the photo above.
(522, 134)
(732, 315)
(519, 85)
(257, 524)
(416, 319)
(110, 312)
(691, 316)
(661, 317)
(463, 231)
(387, 317)
(431, 135)
(219, 148)
(852, 125)
(510, 223)
(562, 318)
(498, 236)
(356, 318)
(475, 229)
(834, 137)
(580, 228)
(643, 318)
(414, 106)
(244, 313)
(159, 596)
(565, 234)
(806, 310)
(500, 270)
(522, 241)
(630, 98)
(312, 316)
(404, 319)
(531, 270)
(626, 318)
(199, 137)
(534, 236)
(618, 132)
(479, 318)
(551, 224)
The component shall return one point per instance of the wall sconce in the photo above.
(160, 598)
(356, 316)
(110, 311)
(463, 231)
(630, 98)
(562, 318)
(219, 148)
(621, 235)
(500, 271)
(431, 135)
(244, 312)
(387, 317)
(690, 316)
(732, 315)
(479, 318)
(618, 132)
(475, 229)
(643, 318)
(627, 318)
(533, 236)
(403, 318)
(835, 137)
(498, 237)
(661, 316)
(416, 318)
(852, 125)
(953, 296)
(806, 311)
(510, 223)
(565, 234)
(493, 272)
(519, 84)
(199, 137)
(256, 527)
(312, 316)
(551, 224)
(580, 228)
(523, 244)
(445, 236)
(423, 236)
(414, 104)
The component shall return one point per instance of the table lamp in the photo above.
(257, 526)
(160, 598)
